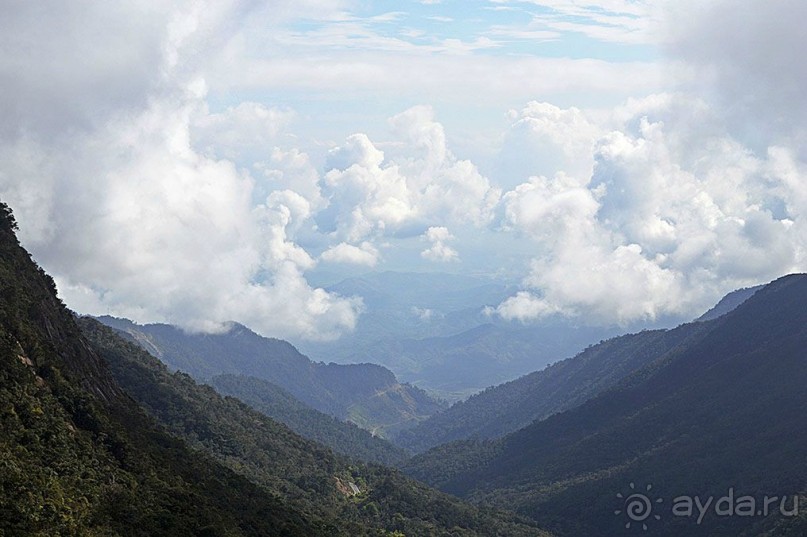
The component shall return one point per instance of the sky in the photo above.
(201, 162)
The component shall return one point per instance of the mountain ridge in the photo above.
(509, 406)
(342, 437)
(366, 394)
(97, 437)
(79, 457)
(721, 410)
(366, 499)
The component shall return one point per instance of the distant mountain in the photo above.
(508, 407)
(277, 403)
(729, 302)
(462, 364)
(432, 330)
(721, 410)
(366, 394)
(353, 498)
(402, 305)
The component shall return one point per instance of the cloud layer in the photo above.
(129, 215)
(675, 212)
(149, 194)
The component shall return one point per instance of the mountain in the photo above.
(365, 394)
(79, 457)
(730, 302)
(508, 407)
(278, 404)
(459, 365)
(97, 437)
(365, 499)
(720, 414)
(433, 330)
(402, 305)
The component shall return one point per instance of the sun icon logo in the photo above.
(638, 506)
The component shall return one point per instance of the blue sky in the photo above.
(198, 162)
(548, 29)
(355, 64)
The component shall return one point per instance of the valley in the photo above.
(338, 268)
(348, 449)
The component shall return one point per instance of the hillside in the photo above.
(722, 410)
(308, 475)
(81, 456)
(280, 405)
(730, 302)
(365, 394)
(508, 407)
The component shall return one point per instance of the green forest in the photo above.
(98, 438)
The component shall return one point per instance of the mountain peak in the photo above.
(736, 298)
(729, 302)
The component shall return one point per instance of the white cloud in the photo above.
(365, 254)
(115, 201)
(145, 203)
(439, 250)
(52, 77)
(370, 198)
(424, 314)
(675, 213)
(240, 132)
(372, 195)
(525, 307)
(438, 234)
(448, 189)
(174, 236)
(475, 80)
(619, 21)
(543, 139)
(748, 64)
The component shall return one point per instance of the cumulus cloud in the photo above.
(288, 169)
(372, 195)
(370, 198)
(543, 138)
(439, 250)
(523, 306)
(146, 200)
(747, 64)
(675, 213)
(365, 254)
(175, 236)
(121, 206)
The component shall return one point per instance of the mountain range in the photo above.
(342, 437)
(710, 409)
(437, 331)
(366, 394)
(113, 428)
(98, 437)
(505, 408)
